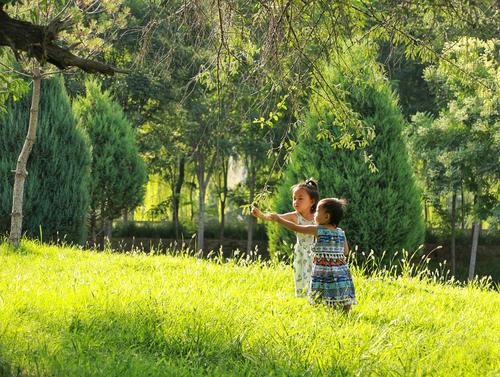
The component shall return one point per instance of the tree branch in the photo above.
(38, 42)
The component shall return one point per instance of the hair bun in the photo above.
(311, 182)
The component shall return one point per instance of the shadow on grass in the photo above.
(6, 370)
(135, 342)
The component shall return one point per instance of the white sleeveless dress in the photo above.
(302, 259)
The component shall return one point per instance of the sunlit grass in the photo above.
(67, 312)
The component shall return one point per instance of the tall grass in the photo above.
(69, 312)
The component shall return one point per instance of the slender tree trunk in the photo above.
(201, 217)
(204, 174)
(93, 226)
(251, 219)
(201, 202)
(473, 253)
(223, 198)
(475, 240)
(191, 192)
(21, 173)
(453, 231)
(107, 230)
(426, 213)
(177, 195)
(222, 220)
(462, 205)
(125, 215)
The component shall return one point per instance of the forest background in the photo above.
(392, 105)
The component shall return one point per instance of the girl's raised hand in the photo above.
(258, 213)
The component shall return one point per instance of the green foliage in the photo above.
(384, 211)
(11, 84)
(56, 190)
(488, 237)
(407, 77)
(233, 230)
(67, 312)
(11, 87)
(461, 146)
(118, 173)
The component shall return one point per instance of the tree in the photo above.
(384, 212)
(56, 198)
(278, 42)
(118, 173)
(467, 83)
(437, 148)
(165, 150)
(38, 42)
(257, 139)
(204, 145)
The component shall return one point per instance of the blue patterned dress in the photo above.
(331, 281)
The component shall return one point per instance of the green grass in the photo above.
(67, 312)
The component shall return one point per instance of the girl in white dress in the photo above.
(305, 198)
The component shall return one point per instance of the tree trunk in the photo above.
(223, 198)
(251, 219)
(204, 176)
(473, 253)
(21, 172)
(201, 202)
(107, 230)
(93, 226)
(191, 191)
(222, 221)
(177, 195)
(453, 231)
(201, 217)
(426, 213)
(462, 206)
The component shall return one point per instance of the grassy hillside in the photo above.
(67, 312)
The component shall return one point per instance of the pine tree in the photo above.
(56, 193)
(384, 211)
(118, 173)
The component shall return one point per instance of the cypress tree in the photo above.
(384, 211)
(118, 172)
(56, 193)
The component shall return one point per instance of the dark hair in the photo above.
(311, 187)
(335, 208)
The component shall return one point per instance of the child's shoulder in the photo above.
(291, 216)
(326, 230)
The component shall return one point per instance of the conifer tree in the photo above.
(384, 211)
(118, 173)
(56, 194)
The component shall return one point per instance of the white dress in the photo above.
(302, 259)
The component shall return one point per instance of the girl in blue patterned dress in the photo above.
(331, 281)
(305, 196)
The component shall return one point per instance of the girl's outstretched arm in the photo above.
(307, 229)
(260, 215)
(290, 216)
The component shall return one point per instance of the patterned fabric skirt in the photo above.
(302, 266)
(331, 281)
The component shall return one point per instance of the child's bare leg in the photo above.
(346, 308)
